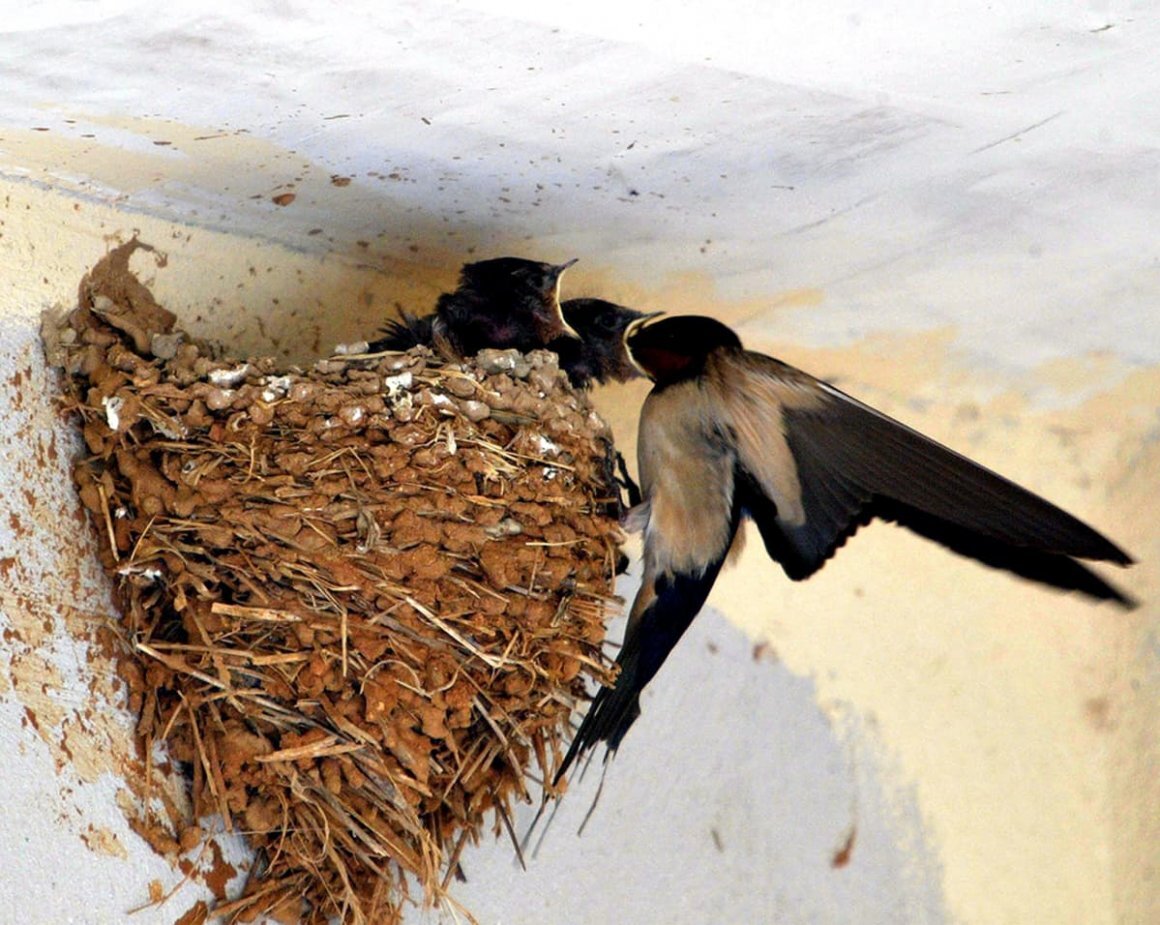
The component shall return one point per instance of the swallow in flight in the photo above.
(728, 434)
(507, 302)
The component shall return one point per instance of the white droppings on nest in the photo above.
(150, 575)
(228, 377)
(394, 385)
(546, 446)
(504, 361)
(506, 527)
(497, 361)
(303, 391)
(276, 387)
(219, 399)
(113, 405)
(169, 427)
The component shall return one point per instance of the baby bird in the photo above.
(502, 303)
(599, 354)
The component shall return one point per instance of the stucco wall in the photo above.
(950, 216)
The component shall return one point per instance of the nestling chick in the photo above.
(507, 302)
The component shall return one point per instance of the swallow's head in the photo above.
(522, 290)
(671, 349)
(602, 353)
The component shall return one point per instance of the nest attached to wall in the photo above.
(360, 599)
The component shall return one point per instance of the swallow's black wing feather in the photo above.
(647, 643)
(404, 333)
(692, 517)
(853, 463)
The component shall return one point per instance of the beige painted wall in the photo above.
(949, 212)
(1029, 721)
(1025, 721)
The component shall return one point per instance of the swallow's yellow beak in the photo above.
(565, 328)
(637, 324)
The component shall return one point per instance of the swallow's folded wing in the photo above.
(689, 518)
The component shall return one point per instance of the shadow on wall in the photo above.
(758, 809)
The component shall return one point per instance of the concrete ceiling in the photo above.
(857, 151)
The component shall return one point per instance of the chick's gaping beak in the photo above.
(565, 329)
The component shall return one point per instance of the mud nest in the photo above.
(359, 600)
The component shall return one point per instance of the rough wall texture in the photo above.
(950, 216)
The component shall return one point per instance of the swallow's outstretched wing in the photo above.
(814, 464)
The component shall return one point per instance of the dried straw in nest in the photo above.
(359, 600)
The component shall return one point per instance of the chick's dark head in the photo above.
(600, 353)
(507, 302)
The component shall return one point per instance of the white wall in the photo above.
(951, 213)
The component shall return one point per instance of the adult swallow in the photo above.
(728, 434)
(502, 303)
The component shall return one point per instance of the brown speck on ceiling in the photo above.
(842, 856)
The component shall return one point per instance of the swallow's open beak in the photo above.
(630, 332)
(637, 324)
(565, 329)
